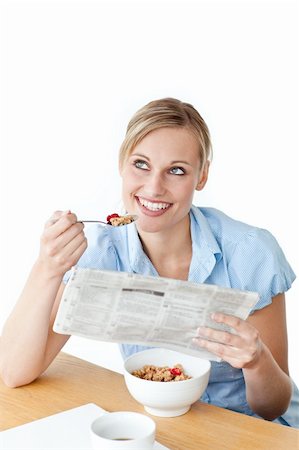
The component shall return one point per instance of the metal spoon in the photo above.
(134, 217)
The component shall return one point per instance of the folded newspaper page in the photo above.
(153, 311)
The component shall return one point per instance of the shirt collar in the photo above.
(205, 249)
(139, 261)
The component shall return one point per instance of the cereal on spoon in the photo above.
(115, 220)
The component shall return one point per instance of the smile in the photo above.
(153, 206)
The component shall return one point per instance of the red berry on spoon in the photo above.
(111, 216)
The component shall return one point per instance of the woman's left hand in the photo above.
(240, 350)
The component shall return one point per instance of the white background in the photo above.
(73, 73)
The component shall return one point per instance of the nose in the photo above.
(155, 185)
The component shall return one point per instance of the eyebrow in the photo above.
(172, 162)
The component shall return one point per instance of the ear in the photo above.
(203, 177)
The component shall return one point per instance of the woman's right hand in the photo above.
(62, 243)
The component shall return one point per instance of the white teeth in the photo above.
(153, 206)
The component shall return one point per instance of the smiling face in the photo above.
(160, 176)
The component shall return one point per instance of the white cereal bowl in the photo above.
(167, 399)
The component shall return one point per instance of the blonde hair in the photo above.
(167, 112)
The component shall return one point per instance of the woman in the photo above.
(164, 158)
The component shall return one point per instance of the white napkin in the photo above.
(68, 430)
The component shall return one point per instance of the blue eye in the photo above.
(141, 164)
(177, 171)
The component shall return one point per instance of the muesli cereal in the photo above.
(155, 373)
(115, 220)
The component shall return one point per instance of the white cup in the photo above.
(123, 430)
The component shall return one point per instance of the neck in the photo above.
(170, 244)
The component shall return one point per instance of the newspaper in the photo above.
(152, 311)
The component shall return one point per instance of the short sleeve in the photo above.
(258, 264)
(100, 253)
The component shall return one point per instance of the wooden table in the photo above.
(70, 382)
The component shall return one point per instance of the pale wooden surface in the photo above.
(71, 382)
